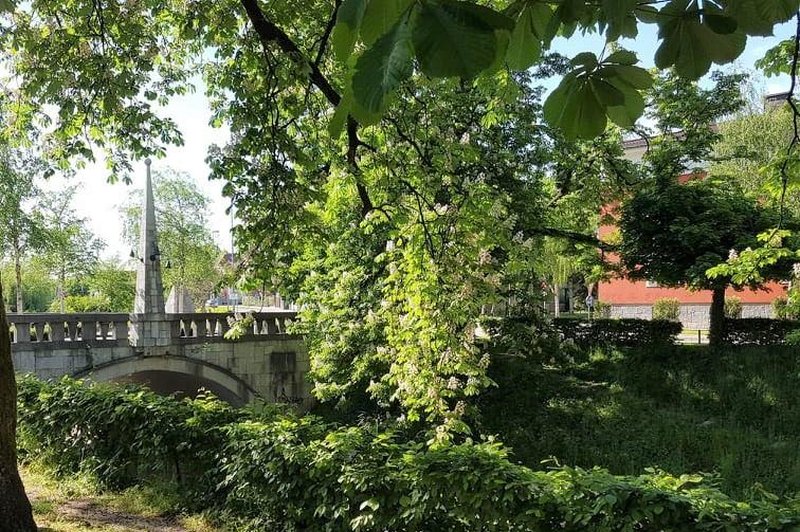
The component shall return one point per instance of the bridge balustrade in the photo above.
(48, 329)
(212, 326)
(41, 330)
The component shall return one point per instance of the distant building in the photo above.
(635, 299)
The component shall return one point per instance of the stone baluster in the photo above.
(223, 325)
(103, 329)
(80, 331)
(281, 325)
(23, 333)
(121, 330)
(199, 328)
(57, 331)
(175, 328)
(272, 325)
(37, 331)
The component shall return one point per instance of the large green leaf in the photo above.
(525, 46)
(690, 43)
(380, 16)
(596, 91)
(348, 22)
(454, 38)
(383, 67)
(619, 18)
(759, 17)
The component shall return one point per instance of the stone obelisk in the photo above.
(150, 328)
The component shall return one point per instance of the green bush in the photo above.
(793, 337)
(621, 332)
(277, 471)
(667, 308)
(602, 309)
(758, 331)
(785, 308)
(733, 307)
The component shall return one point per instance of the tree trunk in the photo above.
(716, 332)
(18, 279)
(556, 301)
(15, 509)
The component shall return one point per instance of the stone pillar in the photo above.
(149, 325)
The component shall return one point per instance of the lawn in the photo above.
(686, 409)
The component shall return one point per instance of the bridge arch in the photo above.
(173, 374)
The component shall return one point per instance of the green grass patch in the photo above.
(685, 409)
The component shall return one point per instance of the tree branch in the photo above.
(574, 236)
(270, 33)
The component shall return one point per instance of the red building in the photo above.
(635, 299)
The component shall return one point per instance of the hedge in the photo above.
(758, 331)
(274, 470)
(618, 332)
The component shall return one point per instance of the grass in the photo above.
(74, 504)
(684, 410)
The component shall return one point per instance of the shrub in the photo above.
(784, 308)
(621, 332)
(733, 307)
(758, 331)
(283, 472)
(667, 308)
(602, 309)
(793, 337)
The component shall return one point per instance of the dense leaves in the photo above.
(289, 473)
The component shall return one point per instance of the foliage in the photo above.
(787, 308)
(675, 233)
(792, 337)
(750, 142)
(758, 331)
(667, 308)
(602, 309)
(293, 473)
(72, 250)
(82, 303)
(39, 288)
(618, 332)
(184, 234)
(733, 307)
(732, 412)
(113, 284)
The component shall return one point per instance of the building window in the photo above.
(650, 284)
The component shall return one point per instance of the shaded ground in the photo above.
(734, 413)
(72, 506)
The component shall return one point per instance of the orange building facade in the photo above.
(635, 299)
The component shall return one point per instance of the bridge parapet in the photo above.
(56, 331)
(209, 327)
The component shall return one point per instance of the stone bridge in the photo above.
(167, 347)
(265, 363)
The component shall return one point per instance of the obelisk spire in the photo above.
(149, 287)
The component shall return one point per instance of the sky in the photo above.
(99, 201)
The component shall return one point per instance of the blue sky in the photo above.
(191, 113)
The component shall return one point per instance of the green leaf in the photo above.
(759, 17)
(348, 22)
(625, 115)
(623, 57)
(574, 108)
(383, 67)
(525, 46)
(339, 118)
(454, 38)
(380, 16)
(7, 5)
(690, 44)
(620, 19)
(634, 76)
